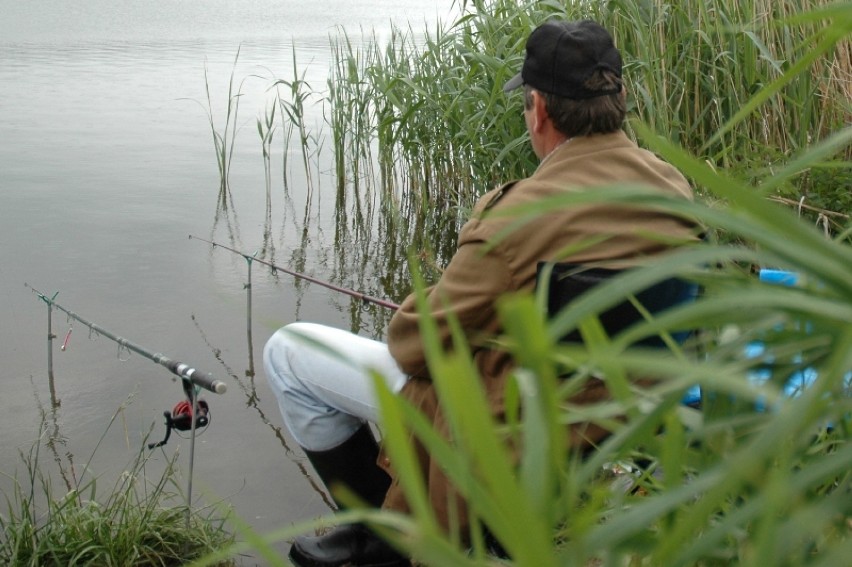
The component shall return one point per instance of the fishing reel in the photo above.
(180, 418)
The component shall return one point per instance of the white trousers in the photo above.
(321, 378)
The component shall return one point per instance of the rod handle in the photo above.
(199, 378)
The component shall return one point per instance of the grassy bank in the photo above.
(139, 520)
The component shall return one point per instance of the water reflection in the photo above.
(55, 441)
(225, 219)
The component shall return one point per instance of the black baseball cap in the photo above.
(561, 56)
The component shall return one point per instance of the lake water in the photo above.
(106, 167)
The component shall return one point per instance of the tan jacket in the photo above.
(617, 236)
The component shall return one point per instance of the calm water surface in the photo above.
(106, 165)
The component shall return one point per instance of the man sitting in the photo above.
(574, 106)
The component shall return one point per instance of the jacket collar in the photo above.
(579, 146)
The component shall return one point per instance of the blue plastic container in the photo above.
(797, 382)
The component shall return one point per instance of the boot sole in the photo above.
(304, 561)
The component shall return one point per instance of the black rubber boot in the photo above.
(353, 464)
(350, 544)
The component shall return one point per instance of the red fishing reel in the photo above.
(180, 418)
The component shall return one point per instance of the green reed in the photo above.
(422, 120)
(351, 113)
(446, 132)
(223, 141)
(266, 131)
(293, 106)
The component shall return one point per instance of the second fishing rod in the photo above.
(350, 292)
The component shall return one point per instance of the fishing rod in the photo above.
(185, 371)
(356, 294)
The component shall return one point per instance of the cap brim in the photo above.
(513, 83)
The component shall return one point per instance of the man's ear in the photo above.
(539, 111)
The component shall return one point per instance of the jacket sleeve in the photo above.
(467, 290)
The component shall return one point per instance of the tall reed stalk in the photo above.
(266, 131)
(223, 141)
(293, 106)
